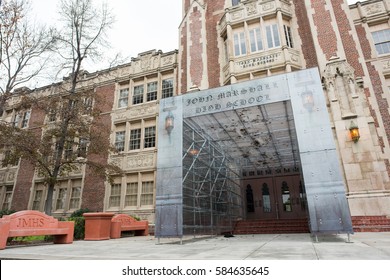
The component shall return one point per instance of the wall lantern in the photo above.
(354, 132)
(169, 122)
(308, 100)
(194, 152)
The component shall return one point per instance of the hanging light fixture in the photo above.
(169, 122)
(193, 152)
(354, 132)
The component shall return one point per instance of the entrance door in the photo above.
(275, 198)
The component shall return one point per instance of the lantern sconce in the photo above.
(354, 132)
(308, 100)
(169, 123)
(194, 152)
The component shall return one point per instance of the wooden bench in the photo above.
(34, 223)
(123, 222)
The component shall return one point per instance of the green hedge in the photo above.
(79, 223)
(79, 227)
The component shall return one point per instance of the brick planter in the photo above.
(97, 226)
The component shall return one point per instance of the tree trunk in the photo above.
(49, 199)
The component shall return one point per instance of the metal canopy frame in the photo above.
(211, 186)
(259, 124)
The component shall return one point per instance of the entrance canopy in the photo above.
(257, 137)
(207, 138)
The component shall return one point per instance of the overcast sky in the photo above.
(141, 25)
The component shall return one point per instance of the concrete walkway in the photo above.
(363, 246)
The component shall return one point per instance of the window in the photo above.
(272, 36)
(167, 88)
(7, 198)
(123, 98)
(255, 38)
(287, 33)
(235, 2)
(75, 197)
(152, 91)
(138, 95)
(9, 158)
(135, 139)
(150, 137)
(239, 44)
(16, 120)
(61, 199)
(137, 191)
(120, 141)
(87, 105)
(115, 196)
(68, 150)
(382, 41)
(82, 148)
(147, 193)
(52, 115)
(26, 117)
(38, 198)
(131, 194)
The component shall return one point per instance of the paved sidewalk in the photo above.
(363, 246)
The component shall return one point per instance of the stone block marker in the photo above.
(123, 222)
(34, 223)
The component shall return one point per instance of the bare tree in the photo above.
(83, 36)
(75, 137)
(22, 47)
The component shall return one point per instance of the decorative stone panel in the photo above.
(140, 161)
(374, 8)
(136, 112)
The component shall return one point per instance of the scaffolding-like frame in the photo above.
(211, 187)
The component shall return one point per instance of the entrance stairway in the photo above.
(271, 226)
(371, 223)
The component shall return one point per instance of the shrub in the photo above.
(79, 227)
(79, 223)
(80, 212)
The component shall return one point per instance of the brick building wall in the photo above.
(305, 33)
(24, 179)
(94, 183)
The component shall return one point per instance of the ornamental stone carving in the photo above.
(237, 15)
(268, 6)
(11, 176)
(251, 9)
(167, 60)
(375, 8)
(141, 111)
(140, 161)
(386, 65)
(339, 81)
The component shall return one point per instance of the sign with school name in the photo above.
(246, 94)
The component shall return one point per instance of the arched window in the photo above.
(286, 199)
(266, 199)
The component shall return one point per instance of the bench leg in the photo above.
(66, 238)
(4, 232)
